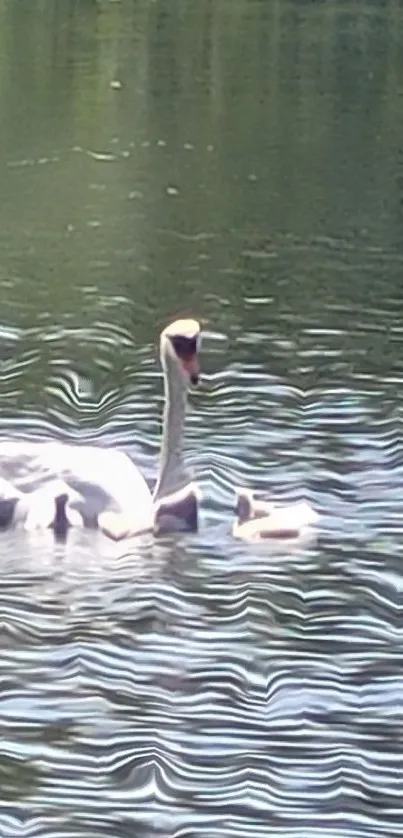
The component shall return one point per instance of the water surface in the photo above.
(240, 162)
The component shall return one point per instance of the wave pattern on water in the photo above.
(194, 685)
(212, 702)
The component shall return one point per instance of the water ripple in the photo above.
(196, 685)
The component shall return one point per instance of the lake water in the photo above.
(240, 162)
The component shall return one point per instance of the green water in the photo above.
(239, 161)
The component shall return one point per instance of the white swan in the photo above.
(258, 520)
(112, 493)
(173, 505)
(48, 507)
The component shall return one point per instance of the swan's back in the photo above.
(103, 478)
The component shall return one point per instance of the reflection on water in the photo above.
(246, 169)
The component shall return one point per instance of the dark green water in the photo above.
(240, 162)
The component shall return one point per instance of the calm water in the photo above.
(240, 161)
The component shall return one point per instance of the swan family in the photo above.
(60, 485)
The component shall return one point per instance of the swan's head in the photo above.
(49, 507)
(248, 507)
(243, 506)
(180, 343)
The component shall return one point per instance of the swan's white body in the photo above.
(119, 524)
(259, 520)
(98, 478)
(105, 487)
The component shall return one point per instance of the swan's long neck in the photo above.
(172, 473)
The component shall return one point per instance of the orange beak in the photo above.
(191, 364)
